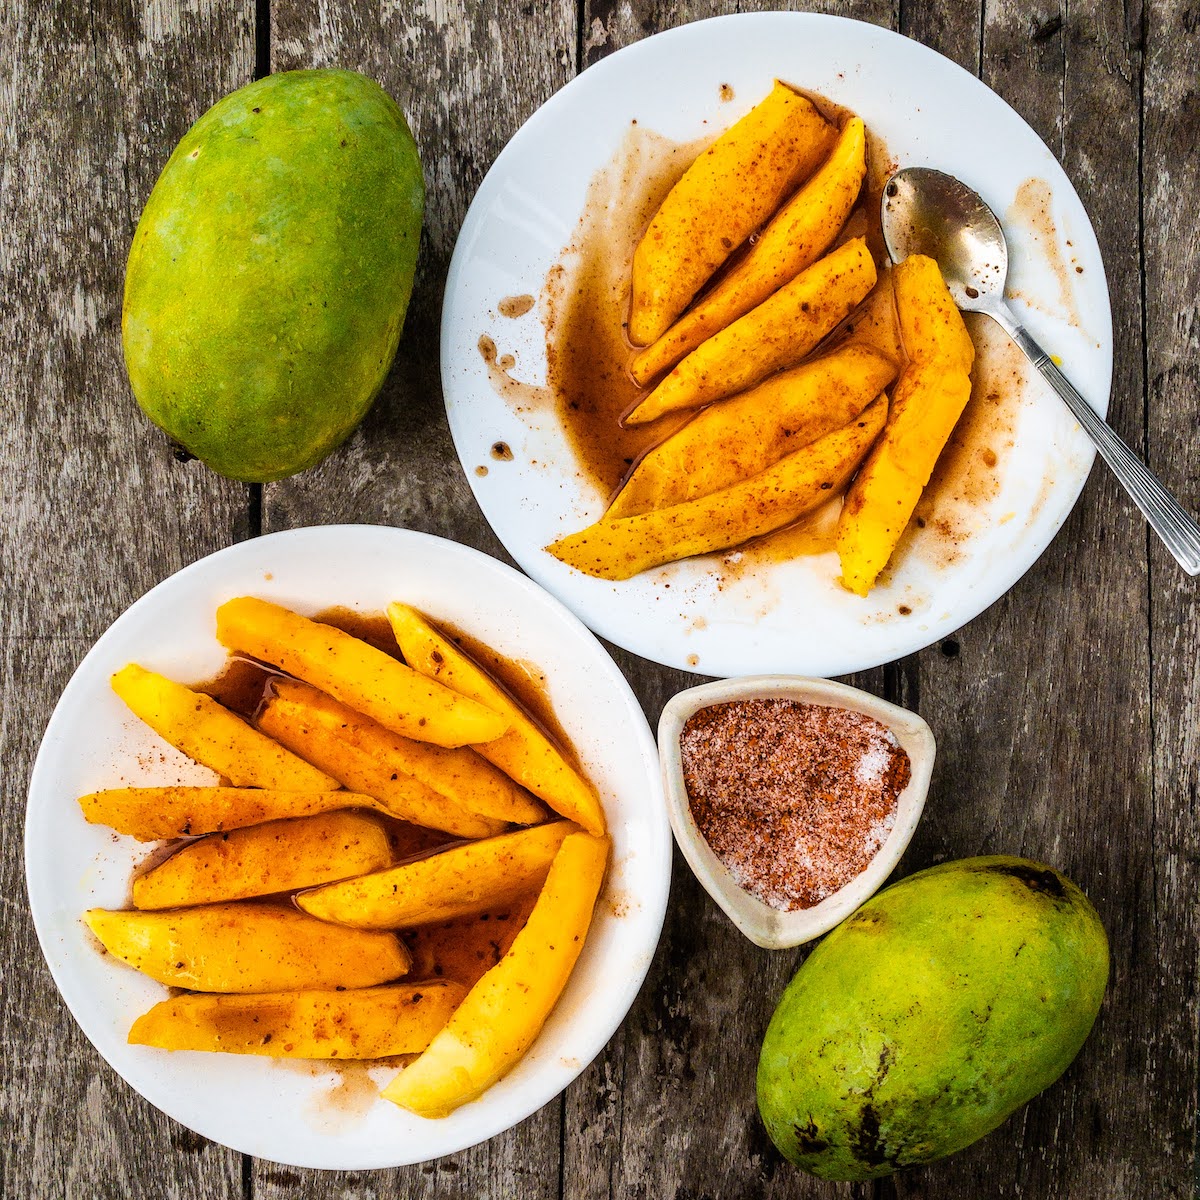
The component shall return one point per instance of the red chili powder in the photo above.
(795, 799)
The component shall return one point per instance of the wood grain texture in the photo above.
(1068, 715)
(1170, 179)
(96, 511)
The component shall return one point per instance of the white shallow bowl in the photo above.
(310, 1114)
(747, 616)
(762, 924)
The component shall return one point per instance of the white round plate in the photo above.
(792, 616)
(307, 1114)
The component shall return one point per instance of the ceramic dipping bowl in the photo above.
(766, 926)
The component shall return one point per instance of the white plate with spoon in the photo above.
(1006, 487)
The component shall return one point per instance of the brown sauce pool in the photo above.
(586, 302)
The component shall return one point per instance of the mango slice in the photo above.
(930, 324)
(735, 439)
(449, 884)
(722, 198)
(357, 674)
(371, 1022)
(524, 752)
(209, 733)
(506, 1009)
(279, 856)
(152, 814)
(780, 332)
(926, 404)
(428, 785)
(797, 235)
(247, 947)
(798, 483)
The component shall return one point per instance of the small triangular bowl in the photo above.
(766, 926)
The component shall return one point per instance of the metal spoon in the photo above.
(928, 212)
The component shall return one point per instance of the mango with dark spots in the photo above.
(930, 1016)
(271, 269)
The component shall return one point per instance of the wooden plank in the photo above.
(1171, 193)
(467, 75)
(1041, 704)
(96, 509)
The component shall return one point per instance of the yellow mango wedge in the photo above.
(779, 333)
(723, 197)
(152, 814)
(927, 402)
(209, 733)
(524, 753)
(374, 1022)
(931, 326)
(737, 438)
(356, 673)
(279, 856)
(506, 1009)
(799, 233)
(366, 757)
(449, 884)
(247, 947)
(619, 549)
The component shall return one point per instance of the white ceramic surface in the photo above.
(300, 1113)
(786, 616)
(762, 924)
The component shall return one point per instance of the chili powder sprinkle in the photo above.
(795, 799)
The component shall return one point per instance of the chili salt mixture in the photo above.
(795, 799)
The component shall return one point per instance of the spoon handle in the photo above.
(1179, 531)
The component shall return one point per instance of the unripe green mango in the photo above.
(271, 270)
(924, 1020)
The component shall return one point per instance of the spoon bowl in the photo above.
(932, 213)
(929, 212)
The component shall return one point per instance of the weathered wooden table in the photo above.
(1067, 714)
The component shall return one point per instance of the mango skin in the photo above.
(929, 1016)
(271, 269)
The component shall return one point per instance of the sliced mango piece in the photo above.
(429, 785)
(619, 549)
(450, 883)
(373, 1022)
(930, 324)
(797, 235)
(151, 814)
(927, 402)
(780, 332)
(317, 726)
(356, 673)
(247, 947)
(279, 856)
(209, 733)
(525, 753)
(506, 1009)
(723, 197)
(735, 439)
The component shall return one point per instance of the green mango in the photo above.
(271, 270)
(929, 1016)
